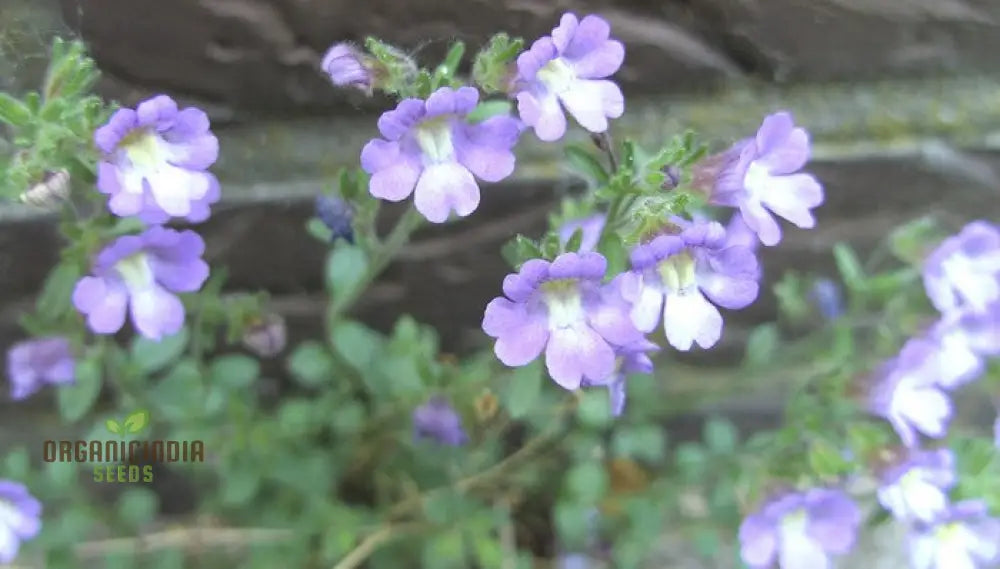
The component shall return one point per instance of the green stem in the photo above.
(380, 258)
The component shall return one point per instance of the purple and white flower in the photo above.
(964, 271)
(672, 275)
(909, 392)
(800, 531)
(154, 161)
(916, 487)
(347, 66)
(437, 420)
(590, 227)
(139, 274)
(964, 537)
(37, 362)
(20, 518)
(569, 69)
(431, 151)
(760, 177)
(561, 308)
(633, 358)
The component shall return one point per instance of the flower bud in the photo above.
(50, 191)
(347, 66)
(336, 214)
(267, 336)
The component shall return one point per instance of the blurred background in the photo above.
(902, 98)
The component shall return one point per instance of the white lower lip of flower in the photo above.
(795, 547)
(434, 139)
(136, 272)
(757, 179)
(968, 277)
(914, 496)
(564, 303)
(954, 544)
(10, 517)
(557, 76)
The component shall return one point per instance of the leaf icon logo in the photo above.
(113, 426)
(136, 422)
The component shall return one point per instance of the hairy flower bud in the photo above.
(347, 66)
(267, 336)
(50, 191)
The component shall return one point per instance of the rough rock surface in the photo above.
(262, 55)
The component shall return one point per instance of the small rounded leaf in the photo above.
(137, 421)
(113, 426)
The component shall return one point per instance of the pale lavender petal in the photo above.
(758, 541)
(593, 102)
(156, 313)
(103, 304)
(443, 188)
(542, 112)
(575, 354)
(689, 319)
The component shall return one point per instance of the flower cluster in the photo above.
(20, 518)
(911, 392)
(154, 166)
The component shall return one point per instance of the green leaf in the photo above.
(56, 297)
(594, 410)
(345, 268)
(444, 551)
(138, 506)
(573, 524)
(522, 391)
(614, 251)
(151, 356)
(180, 393)
(311, 364)
(113, 427)
(826, 460)
(14, 112)
(358, 344)
(319, 230)
(137, 421)
(17, 464)
(234, 371)
(452, 60)
(586, 164)
(587, 482)
(520, 249)
(295, 417)
(720, 436)
(489, 109)
(348, 419)
(850, 268)
(574, 242)
(446, 506)
(241, 485)
(76, 400)
(762, 345)
(641, 442)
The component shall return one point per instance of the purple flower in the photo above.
(34, 363)
(963, 339)
(632, 358)
(760, 177)
(964, 537)
(800, 531)
(672, 274)
(154, 162)
(568, 70)
(430, 150)
(20, 518)
(964, 271)
(562, 308)
(141, 273)
(437, 420)
(739, 233)
(996, 432)
(348, 67)
(916, 488)
(909, 394)
(591, 227)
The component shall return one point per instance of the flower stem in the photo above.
(381, 256)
